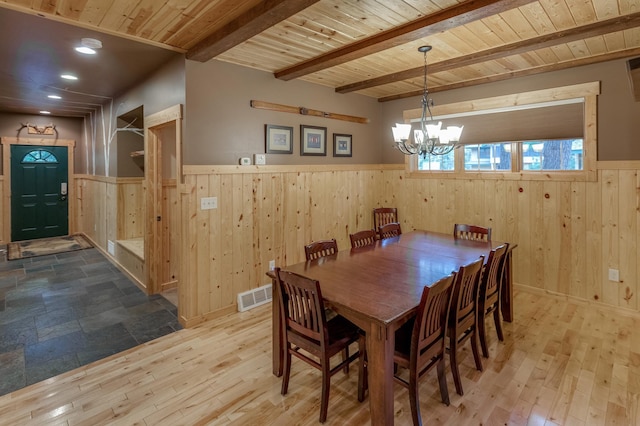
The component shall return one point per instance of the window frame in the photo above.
(586, 92)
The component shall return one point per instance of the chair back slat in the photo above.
(492, 276)
(321, 248)
(363, 238)
(431, 320)
(471, 232)
(465, 291)
(303, 304)
(389, 230)
(384, 215)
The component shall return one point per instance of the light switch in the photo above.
(260, 159)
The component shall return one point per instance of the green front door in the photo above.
(39, 207)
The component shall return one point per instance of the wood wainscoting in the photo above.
(569, 234)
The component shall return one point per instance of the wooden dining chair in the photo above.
(489, 294)
(384, 215)
(471, 232)
(363, 238)
(321, 248)
(305, 326)
(463, 319)
(420, 343)
(389, 230)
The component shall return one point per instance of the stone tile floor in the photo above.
(62, 311)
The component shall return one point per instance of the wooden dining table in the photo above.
(378, 288)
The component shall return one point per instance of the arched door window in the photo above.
(39, 156)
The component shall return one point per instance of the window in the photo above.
(552, 155)
(548, 134)
(494, 156)
(39, 156)
(437, 162)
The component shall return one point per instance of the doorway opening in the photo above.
(163, 175)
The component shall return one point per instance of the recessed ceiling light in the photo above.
(68, 77)
(85, 50)
(88, 46)
(54, 97)
(45, 112)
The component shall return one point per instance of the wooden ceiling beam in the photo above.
(612, 25)
(452, 17)
(261, 17)
(626, 53)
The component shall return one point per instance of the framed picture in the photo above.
(341, 145)
(313, 140)
(279, 139)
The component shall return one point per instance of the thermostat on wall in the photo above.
(245, 161)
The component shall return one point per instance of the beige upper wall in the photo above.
(221, 127)
(618, 113)
(161, 90)
(67, 128)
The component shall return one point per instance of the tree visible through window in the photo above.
(39, 156)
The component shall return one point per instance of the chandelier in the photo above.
(430, 138)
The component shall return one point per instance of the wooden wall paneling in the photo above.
(364, 217)
(170, 227)
(432, 208)
(637, 246)
(578, 255)
(261, 224)
(593, 248)
(213, 268)
(130, 210)
(321, 184)
(111, 211)
(497, 211)
(511, 226)
(566, 246)
(276, 237)
(204, 256)
(523, 262)
(462, 205)
(551, 223)
(226, 223)
(189, 290)
(561, 239)
(628, 236)
(239, 271)
(448, 197)
(248, 241)
(351, 202)
(536, 216)
(289, 232)
(610, 235)
(338, 199)
(479, 197)
(302, 217)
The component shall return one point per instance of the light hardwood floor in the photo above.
(562, 363)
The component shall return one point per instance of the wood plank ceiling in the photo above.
(370, 46)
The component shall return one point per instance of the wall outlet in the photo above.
(208, 203)
(614, 275)
(260, 159)
(272, 265)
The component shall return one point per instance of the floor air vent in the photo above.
(256, 297)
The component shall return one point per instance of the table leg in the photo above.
(380, 344)
(276, 334)
(506, 304)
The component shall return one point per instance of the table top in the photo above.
(383, 283)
